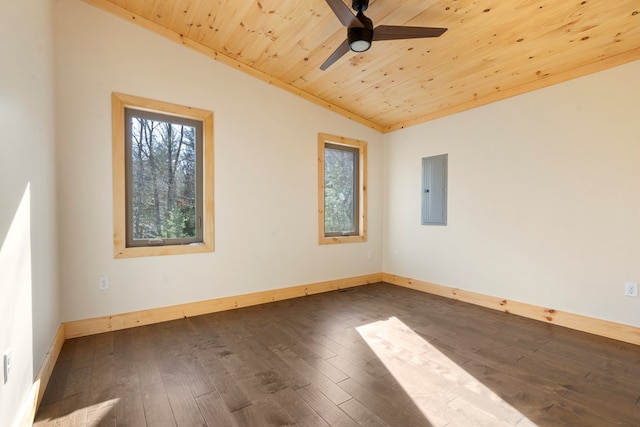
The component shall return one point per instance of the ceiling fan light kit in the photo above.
(360, 38)
(360, 31)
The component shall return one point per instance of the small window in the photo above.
(163, 172)
(434, 190)
(342, 189)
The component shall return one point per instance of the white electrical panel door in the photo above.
(434, 190)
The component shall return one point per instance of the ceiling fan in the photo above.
(360, 31)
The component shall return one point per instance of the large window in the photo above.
(163, 178)
(342, 189)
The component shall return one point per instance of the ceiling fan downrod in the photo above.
(360, 5)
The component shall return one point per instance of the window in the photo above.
(342, 183)
(162, 178)
(434, 190)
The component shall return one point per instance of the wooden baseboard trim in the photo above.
(116, 322)
(605, 328)
(32, 403)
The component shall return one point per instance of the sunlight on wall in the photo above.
(444, 392)
(15, 308)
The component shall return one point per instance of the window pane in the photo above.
(340, 191)
(163, 176)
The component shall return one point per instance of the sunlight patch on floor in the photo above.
(102, 413)
(443, 391)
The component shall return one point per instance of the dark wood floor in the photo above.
(375, 355)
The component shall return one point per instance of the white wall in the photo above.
(544, 198)
(29, 312)
(265, 173)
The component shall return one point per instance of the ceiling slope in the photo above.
(492, 49)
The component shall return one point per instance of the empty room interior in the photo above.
(379, 213)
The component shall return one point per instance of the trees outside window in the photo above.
(164, 169)
(163, 178)
(342, 189)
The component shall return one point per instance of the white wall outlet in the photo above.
(631, 289)
(103, 283)
(7, 362)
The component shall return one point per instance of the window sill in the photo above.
(149, 251)
(342, 239)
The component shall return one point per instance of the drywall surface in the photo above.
(266, 211)
(29, 312)
(543, 194)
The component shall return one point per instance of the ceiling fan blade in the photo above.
(344, 14)
(337, 54)
(394, 32)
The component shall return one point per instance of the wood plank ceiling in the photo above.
(493, 48)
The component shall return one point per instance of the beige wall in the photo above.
(29, 312)
(544, 198)
(265, 174)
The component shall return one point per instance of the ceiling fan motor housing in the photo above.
(360, 38)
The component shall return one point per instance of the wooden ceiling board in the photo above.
(492, 49)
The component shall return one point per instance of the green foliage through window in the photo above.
(340, 190)
(163, 178)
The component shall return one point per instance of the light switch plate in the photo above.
(7, 362)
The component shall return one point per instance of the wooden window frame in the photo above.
(118, 104)
(361, 146)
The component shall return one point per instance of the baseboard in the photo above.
(605, 328)
(578, 322)
(31, 404)
(116, 322)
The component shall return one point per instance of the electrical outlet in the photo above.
(7, 362)
(103, 283)
(631, 289)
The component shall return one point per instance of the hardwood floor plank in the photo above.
(315, 377)
(326, 369)
(264, 412)
(394, 408)
(361, 414)
(226, 386)
(145, 360)
(83, 352)
(361, 370)
(194, 373)
(78, 383)
(130, 408)
(209, 351)
(571, 414)
(157, 409)
(185, 410)
(274, 373)
(103, 370)
(298, 409)
(214, 410)
(124, 359)
(328, 410)
(102, 414)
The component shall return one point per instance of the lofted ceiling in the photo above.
(493, 49)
